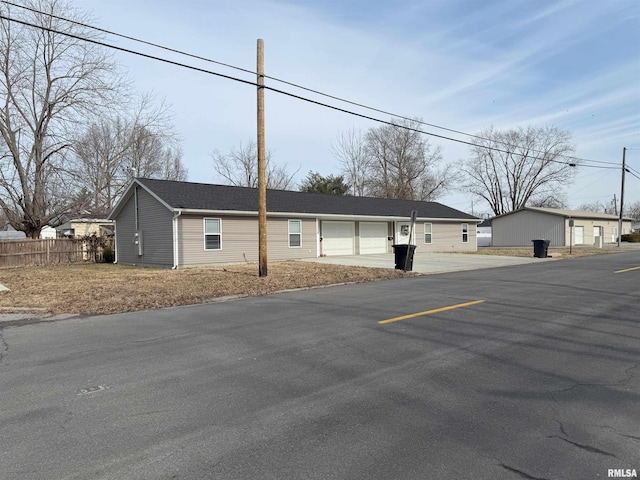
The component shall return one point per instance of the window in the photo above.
(295, 233)
(427, 232)
(465, 233)
(212, 234)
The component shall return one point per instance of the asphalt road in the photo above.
(539, 381)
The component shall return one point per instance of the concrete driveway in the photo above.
(430, 263)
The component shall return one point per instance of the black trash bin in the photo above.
(400, 252)
(540, 248)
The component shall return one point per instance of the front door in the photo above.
(579, 234)
(403, 230)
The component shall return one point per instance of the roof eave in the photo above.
(325, 216)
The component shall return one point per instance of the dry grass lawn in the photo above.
(562, 252)
(103, 288)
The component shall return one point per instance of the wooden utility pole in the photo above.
(262, 181)
(624, 168)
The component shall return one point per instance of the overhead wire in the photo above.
(266, 87)
(571, 159)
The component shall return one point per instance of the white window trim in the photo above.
(465, 231)
(204, 236)
(289, 233)
(430, 233)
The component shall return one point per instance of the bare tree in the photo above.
(349, 149)
(393, 161)
(514, 168)
(49, 84)
(551, 201)
(240, 168)
(597, 207)
(633, 211)
(115, 149)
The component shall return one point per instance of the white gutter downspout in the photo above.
(176, 244)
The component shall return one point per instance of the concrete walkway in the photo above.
(431, 263)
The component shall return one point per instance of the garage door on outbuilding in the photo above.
(373, 237)
(338, 238)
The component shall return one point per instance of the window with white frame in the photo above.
(428, 230)
(295, 233)
(465, 233)
(212, 234)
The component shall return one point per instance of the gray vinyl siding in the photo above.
(445, 237)
(239, 241)
(520, 228)
(125, 229)
(155, 224)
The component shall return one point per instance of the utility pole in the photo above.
(615, 204)
(262, 182)
(624, 167)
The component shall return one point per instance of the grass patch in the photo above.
(108, 288)
(576, 252)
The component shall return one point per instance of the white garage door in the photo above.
(338, 238)
(373, 238)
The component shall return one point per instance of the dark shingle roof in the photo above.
(201, 196)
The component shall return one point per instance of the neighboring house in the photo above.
(10, 233)
(81, 227)
(179, 224)
(48, 232)
(520, 227)
(635, 227)
(484, 233)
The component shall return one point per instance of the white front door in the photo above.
(403, 230)
(579, 235)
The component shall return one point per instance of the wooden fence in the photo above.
(53, 251)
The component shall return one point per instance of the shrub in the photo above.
(631, 237)
(107, 254)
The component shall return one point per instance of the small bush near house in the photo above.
(107, 254)
(631, 237)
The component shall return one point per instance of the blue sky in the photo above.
(462, 64)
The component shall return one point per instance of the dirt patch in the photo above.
(102, 288)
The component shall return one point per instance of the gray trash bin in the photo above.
(540, 248)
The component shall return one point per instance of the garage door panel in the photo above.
(338, 238)
(373, 238)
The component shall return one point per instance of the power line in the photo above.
(632, 169)
(633, 174)
(126, 50)
(282, 92)
(572, 159)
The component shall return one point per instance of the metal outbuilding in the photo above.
(561, 227)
